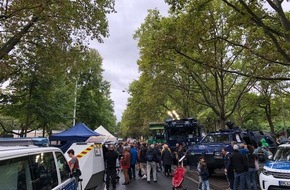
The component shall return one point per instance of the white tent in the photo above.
(104, 131)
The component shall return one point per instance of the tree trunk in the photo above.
(269, 118)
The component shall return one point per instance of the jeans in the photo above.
(167, 169)
(111, 177)
(205, 185)
(132, 171)
(251, 179)
(199, 183)
(240, 178)
(230, 178)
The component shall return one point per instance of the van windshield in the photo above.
(221, 138)
(282, 154)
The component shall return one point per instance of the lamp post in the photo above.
(75, 103)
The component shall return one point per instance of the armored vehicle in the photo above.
(211, 145)
(183, 131)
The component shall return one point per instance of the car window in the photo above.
(224, 138)
(282, 154)
(44, 172)
(15, 174)
(63, 166)
(237, 138)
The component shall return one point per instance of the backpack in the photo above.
(261, 155)
(149, 156)
(76, 172)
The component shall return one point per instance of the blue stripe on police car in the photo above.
(278, 165)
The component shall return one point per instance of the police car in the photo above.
(276, 173)
(34, 168)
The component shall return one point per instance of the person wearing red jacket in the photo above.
(125, 164)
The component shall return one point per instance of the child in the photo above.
(204, 176)
(201, 159)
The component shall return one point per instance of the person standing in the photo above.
(74, 164)
(125, 164)
(262, 154)
(251, 174)
(174, 154)
(111, 158)
(243, 149)
(151, 156)
(158, 160)
(142, 160)
(133, 161)
(201, 159)
(238, 162)
(230, 148)
(229, 172)
(180, 153)
(166, 159)
(204, 176)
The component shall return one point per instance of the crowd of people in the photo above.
(140, 159)
(242, 164)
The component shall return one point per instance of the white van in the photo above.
(34, 168)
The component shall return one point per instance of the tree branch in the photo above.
(233, 71)
(9, 45)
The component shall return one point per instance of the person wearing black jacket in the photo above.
(238, 162)
(251, 174)
(229, 172)
(151, 158)
(142, 160)
(166, 159)
(111, 157)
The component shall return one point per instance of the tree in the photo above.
(187, 49)
(268, 37)
(94, 106)
(66, 22)
(206, 56)
(41, 93)
(38, 94)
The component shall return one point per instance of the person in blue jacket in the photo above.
(134, 159)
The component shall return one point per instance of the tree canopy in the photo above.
(208, 59)
(30, 23)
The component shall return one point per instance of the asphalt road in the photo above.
(163, 183)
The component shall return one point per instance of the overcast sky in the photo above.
(119, 50)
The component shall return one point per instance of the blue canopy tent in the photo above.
(78, 133)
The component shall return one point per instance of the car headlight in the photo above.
(266, 172)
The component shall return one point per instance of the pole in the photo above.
(75, 104)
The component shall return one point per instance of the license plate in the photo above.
(284, 183)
